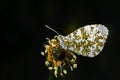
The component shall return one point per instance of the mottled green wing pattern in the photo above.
(87, 41)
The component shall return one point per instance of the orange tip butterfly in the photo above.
(87, 41)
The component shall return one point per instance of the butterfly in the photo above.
(62, 50)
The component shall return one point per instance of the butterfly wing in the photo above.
(87, 41)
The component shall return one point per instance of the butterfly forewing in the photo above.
(88, 40)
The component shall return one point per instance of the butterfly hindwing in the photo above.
(88, 40)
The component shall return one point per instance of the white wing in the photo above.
(86, 41)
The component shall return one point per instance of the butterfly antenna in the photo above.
(51, 29)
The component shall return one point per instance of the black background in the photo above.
(23, 34)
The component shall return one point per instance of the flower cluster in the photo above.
(57, 57)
